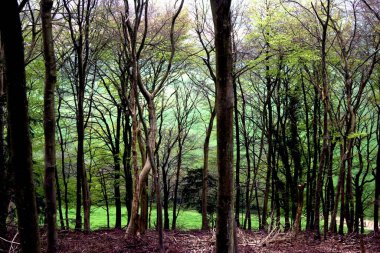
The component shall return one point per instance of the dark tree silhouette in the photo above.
(18, 127)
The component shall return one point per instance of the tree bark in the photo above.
(116, 158)
(176, 185)
(205, 225)
(18, 130)
(297, 222)
(377, 184)
(225, 227)
(325, 96)
(49, 125)
(4, 192)
(237, 139)
(127, 135)
(62, 151)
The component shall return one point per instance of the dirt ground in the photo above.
(113, 241)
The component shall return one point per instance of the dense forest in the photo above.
(222, 117)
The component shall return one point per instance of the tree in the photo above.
(149, 92)
(19, 137)
(79, 28)
(49, 124)
(225, 226)
(4, 188)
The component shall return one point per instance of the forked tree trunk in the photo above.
(133, 225)
(225, 225)
(20, 145)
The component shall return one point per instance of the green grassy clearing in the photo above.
(187, 219)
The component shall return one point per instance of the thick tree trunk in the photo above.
(4, 194)
(49, 125)
(225, 226)
(133, 225)
(18, 130)
(3, 168)
(151, 146)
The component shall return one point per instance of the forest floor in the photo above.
(113, 241)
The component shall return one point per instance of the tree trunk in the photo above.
(49, 125)
(179, 164)
(151, 145)
(134, 220)
(321, 171)
(295, 152)
(225, 227)
(297, 222)
(18, 130)
(237, 139)
(117, 170)
(247, 220)
(4, 194)
(269, 122)
(316, 148)
(205, 225)
(377, 184)
(59, 199)
(325, 97)
(144, 198)
(166, 197)
(3, 168)
(127, 135)
(62, 149)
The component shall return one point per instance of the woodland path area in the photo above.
(112, 241)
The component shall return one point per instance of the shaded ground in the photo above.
(112, 241)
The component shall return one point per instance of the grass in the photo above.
(187, 219)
